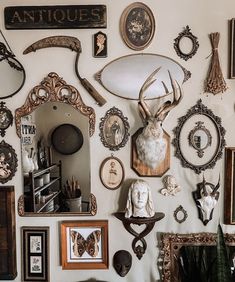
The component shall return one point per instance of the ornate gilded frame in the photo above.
(6, 118)
(171, 244)
(201, 109)
(51, 90)
(8, 162)
(108, 131)
(137, 19)
(195, 44)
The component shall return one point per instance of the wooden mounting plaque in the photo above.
(143, 170)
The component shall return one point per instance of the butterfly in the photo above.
(90, 245)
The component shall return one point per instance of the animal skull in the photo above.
(206, 198)
(151, 146)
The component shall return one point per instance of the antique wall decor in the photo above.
(215, 82)
(180, 214)
(139, 244)
(151, 144)
(139, 210)
(232, 50)
(54, 101)
(13, 73)
(186, 34)
(35, 253)
(6, 118)
(206, 197)
(122, 261)
(200, 138)
(55, 17)
(8, 269)
(172, 244)
(125, 75)
(114, 129)
(84, 244)
(137, 26)
(8, 162)
(170, 186)
(112, 172)
(74, 44)
(100, 45)
(229, 186)
(199, 112)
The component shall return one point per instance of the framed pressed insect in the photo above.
(84, 244)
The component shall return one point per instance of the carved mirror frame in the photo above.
(177, 212)
(106, 137)
(171, 244)
(54, 89)
(199, 109)
(195, 44)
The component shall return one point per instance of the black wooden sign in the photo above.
(49, 17)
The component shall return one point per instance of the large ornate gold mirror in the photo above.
(55, 127)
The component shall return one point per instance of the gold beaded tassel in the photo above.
(215, 82)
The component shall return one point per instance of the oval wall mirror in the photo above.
(12, 76)
(125, 76)
(56, 178)
(206, 139)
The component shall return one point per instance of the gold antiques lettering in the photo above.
(62, 16)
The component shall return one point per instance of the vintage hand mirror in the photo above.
(12, 72)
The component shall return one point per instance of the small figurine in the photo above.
(139, 201)
(170, 186)
(122, 261)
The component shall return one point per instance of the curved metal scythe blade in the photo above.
(74, 44)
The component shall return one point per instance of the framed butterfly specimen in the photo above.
(84, 244)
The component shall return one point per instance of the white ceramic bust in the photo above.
(139, 201)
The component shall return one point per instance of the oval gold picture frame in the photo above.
(137, 26)
(112, 173)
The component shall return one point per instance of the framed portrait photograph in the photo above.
(84, 244)
(137, 26)
(112, 173)
(35, 253)
(114, 129)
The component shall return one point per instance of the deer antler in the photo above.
(169, 105)
(143, 107)
(216, 188)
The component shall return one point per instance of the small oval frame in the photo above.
(114, 129)
(195, 44)
(112, 173)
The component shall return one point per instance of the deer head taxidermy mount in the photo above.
(206, 197)
(151, 144)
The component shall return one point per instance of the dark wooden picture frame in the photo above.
(8, 266)
(232, 49)
(112, 173)
(229, 186)
(84, 244)
(35, 253)
(137, 26)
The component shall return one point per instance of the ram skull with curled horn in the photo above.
(151, 146)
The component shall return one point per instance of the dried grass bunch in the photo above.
(215, 82)
(72, 189)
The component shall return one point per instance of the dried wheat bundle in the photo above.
(215, 82)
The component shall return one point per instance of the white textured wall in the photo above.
(203, 17)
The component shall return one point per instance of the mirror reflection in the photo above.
(12, 72)
(56, 178)
(73, 173)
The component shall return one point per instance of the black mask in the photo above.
(122, 261)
